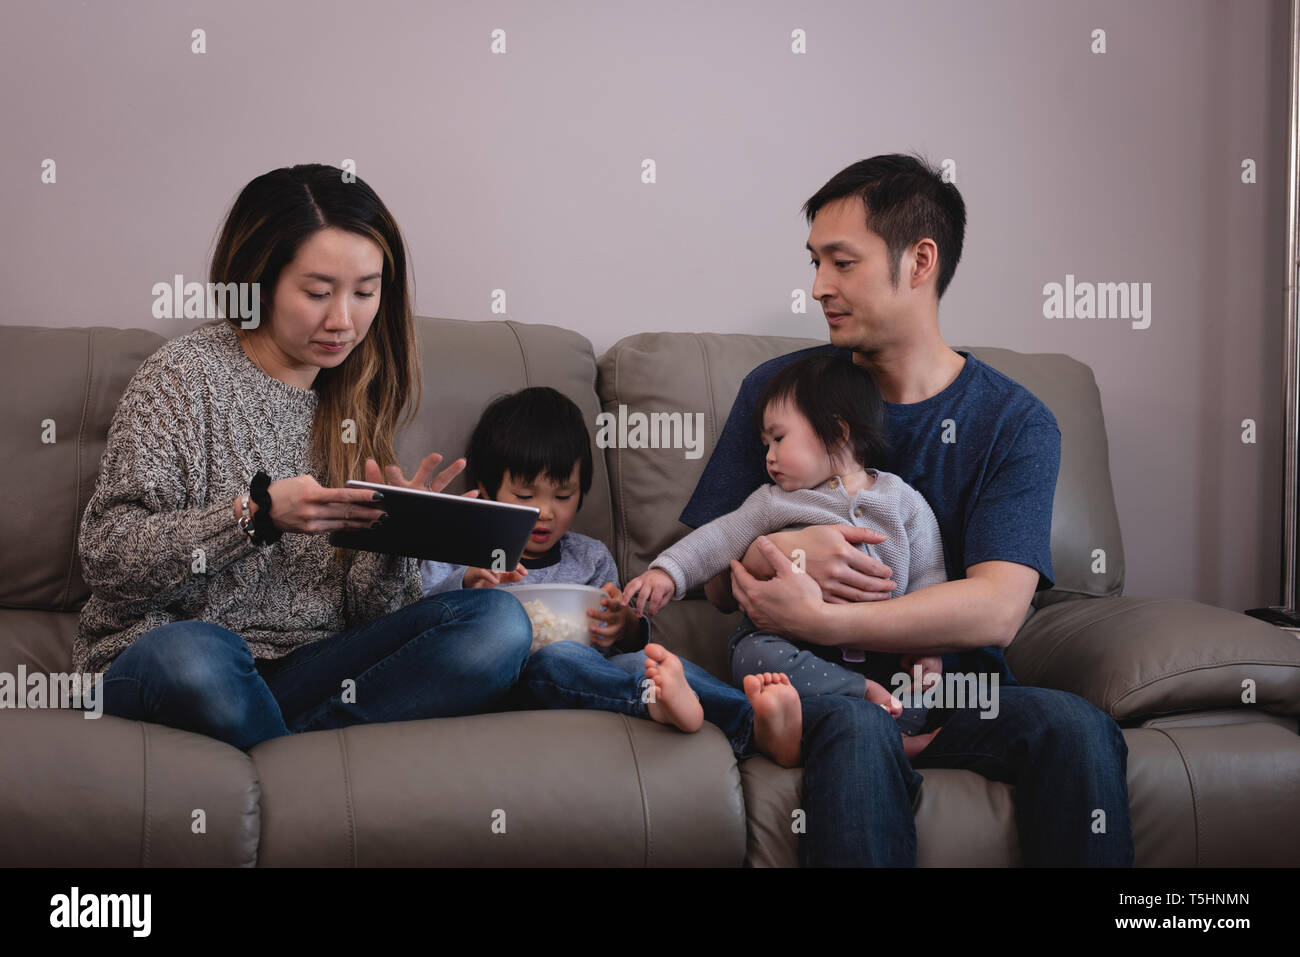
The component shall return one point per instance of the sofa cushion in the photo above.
(546, 788)
(40, 640)
(67, 383)
(1137, 658)
(1222, 796)
(106, 792)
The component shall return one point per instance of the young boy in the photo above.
(533, 448)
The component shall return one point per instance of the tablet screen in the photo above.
(444, 528)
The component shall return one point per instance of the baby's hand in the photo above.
(879, 694)
(615, 618)
(655, 587)
(483, 578)
(931, 668)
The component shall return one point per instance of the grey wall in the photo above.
(522, 172)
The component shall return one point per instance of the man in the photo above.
(886, 237)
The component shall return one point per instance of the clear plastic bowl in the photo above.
(567, 607)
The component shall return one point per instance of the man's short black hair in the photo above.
(906, 201)
(533, 432)
(832, 392)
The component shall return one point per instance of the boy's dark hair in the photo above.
(533, 432)
(906, 201)
(831, 392)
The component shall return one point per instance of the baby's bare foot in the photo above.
(673, 701)
(778, 717)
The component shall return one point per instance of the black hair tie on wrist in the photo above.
(264, 530)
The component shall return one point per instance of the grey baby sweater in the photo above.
(912, 547)
(159, 540)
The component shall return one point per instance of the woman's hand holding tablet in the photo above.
(301, 504)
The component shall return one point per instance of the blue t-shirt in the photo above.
(984, 452)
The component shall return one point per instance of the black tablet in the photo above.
(444, 528)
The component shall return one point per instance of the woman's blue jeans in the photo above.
(449, 654)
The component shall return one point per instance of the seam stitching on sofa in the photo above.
(347, 797)
(1191, 787)
(256, 812)
(1192, 669)
(81, 438)
(708, 387)
(625, 547)
(523, 355)
(640, 784)
(148, 809)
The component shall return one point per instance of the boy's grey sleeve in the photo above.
(709, 549)
(438, 577)
(925, 564)
(606, 569)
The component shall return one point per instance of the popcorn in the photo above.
(549, 627)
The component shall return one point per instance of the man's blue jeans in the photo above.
(450, 654)
(1066, 759)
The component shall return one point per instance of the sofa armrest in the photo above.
(1140, 657)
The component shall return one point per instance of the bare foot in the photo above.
(778, 717)
(673, 701)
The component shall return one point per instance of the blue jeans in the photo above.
(450, 654)
(1066, 759)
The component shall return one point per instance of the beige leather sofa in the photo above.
(1214, 776)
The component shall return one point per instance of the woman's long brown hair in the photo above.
(378, 384)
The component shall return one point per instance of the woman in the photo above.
(217, 603)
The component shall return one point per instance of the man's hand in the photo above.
(844, 572)
(789, 604)
(615, 618)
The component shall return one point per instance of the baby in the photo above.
(821, 421)
(533, 448)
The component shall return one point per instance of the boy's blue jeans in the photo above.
(1066, 759)
(449, 654)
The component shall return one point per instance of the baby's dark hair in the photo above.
(832, 392)
(533, 432)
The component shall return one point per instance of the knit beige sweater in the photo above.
(159, 540)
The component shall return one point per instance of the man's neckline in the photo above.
(959, 382)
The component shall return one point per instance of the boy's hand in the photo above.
(655, 588)
(484, 578)
(615, 619)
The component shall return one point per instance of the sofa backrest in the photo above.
(61, 387)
